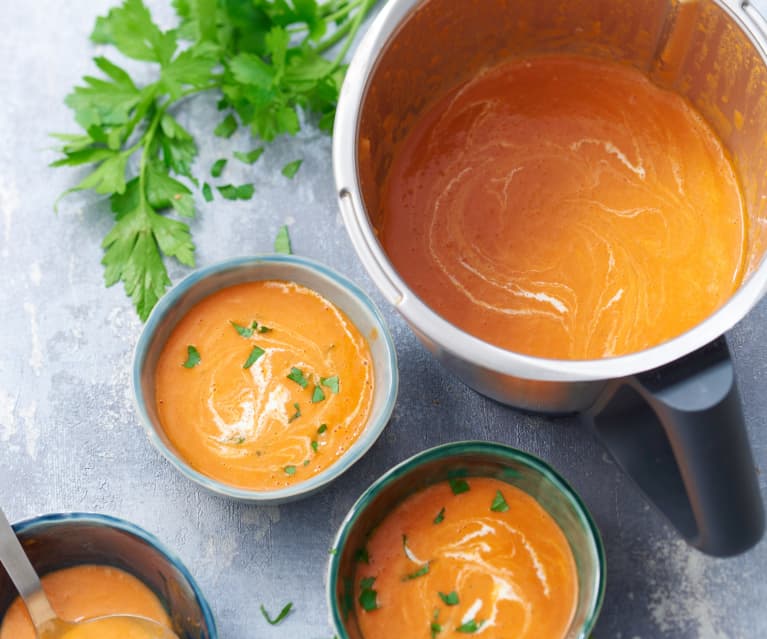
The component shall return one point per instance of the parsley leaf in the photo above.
(362, 555)
(192, 357)
(317, 395)
(295, 415)
(440, 516)
(290, 470)
(450, 599)
(423, 570)
(331, 383)
(458, 485)
(291, 168)
(283, 613)
(253, 357)
(470, 627)
(250, 157)
(322, 429)
(499, 504)
(282, 241)
(218, 167)
(266, 60)
(435, 626)
(297, 375)
(244, 331)
(368, 596)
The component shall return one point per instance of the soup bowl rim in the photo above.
(376, 422)
(448, 337)
(454, 450)
(31, 525)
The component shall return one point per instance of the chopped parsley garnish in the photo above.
(315, 445)
(297, 375)
(241, 192)
(290, 470)
(331, 383)
(263, 329)
(282, 241)
(291, 168)
(250, 157)
(253, 357)
(283, 613)
(435, 627)
(226, 128)
(317, 395)
(295, 415)
(499, 504)
(218, 167)
(469, 627)
(458, 486)
(423, 570)
(207, 192)
(368, 597)
(440, 516)
(362, 555)
(192, 357)
(245, 331)
(450, 599)
(322, 429)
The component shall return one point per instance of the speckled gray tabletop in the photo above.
(69, 438)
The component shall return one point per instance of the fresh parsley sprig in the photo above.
(265, 58)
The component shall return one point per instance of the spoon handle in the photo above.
(23, 575)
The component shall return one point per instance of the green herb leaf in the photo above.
(226, 127)
(283, 613)
(264, 329)
(499, 504)
(317, 395)
(297, 375)
(450, 599)
(322, 429)
(458, 486)
(192, 357)
(207, 192)
(331, 383)
(295, 415)
(242, 192)
(253, 357)
(423, 570)
(368, 597)
(362, 556)
(290, 470)
(282, 241)
(243, 331)
(291, 168)
(440, 516)
(315, 445)
(250, 157)
(218, 167)
(435, 626)
(469, 627)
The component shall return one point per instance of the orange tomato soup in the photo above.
(85, 592)
(488, 561)
(283, 385)
(565, 207)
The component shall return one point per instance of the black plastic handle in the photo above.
(679, 432)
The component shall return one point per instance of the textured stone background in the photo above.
(69, 439)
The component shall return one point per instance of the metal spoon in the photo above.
(46, 621)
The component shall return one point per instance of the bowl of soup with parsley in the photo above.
(265, 378)
(467, 538)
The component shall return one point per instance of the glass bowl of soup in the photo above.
(264, 378)
(93, 565)
(468, 537)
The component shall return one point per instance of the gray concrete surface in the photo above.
(69, 438)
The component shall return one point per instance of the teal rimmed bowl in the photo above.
(204, 282)
(468, 459)
(64, 540)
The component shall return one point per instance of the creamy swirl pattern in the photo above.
(565, 207)
(247, 425)
(512, 572)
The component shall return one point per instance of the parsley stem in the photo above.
(351, 27)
